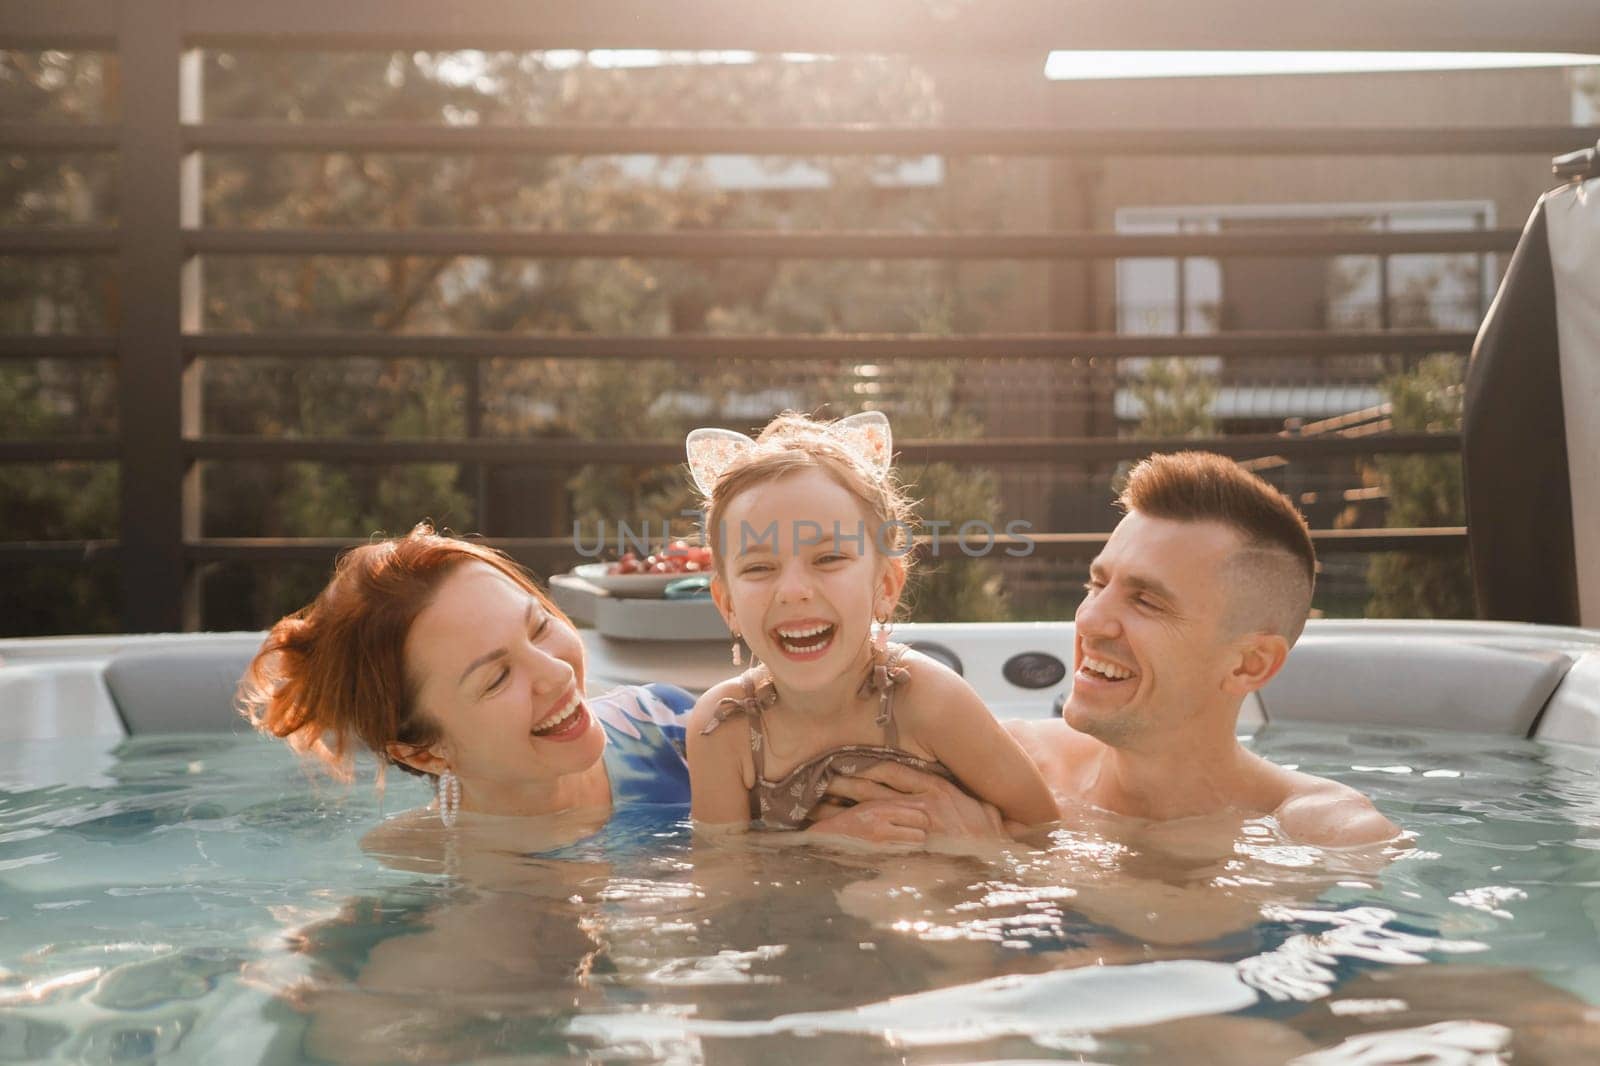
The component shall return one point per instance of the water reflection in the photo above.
(245, 925)
(1110, 923)
(1307, 966)
(1457, 1013)
(1452, 1043)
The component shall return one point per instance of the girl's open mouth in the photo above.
(805, 640)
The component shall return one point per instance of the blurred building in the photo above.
(1234, 193)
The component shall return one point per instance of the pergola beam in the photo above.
(1001, 27)
(876, 140)
(865, 348)
(89, 25)
(996, 27)
(755, 244)
(644, 453)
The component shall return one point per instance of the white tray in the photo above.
(640, 586)
(632, 618)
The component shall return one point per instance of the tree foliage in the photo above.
(425, 398)
(1176, 398)
(1423, 490)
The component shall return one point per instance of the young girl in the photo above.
(809, 533)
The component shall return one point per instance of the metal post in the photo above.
(1391, 365)
(1183, 292)
(1385, 314)
(191, 311)
(149, 357)
(1482, 278)
(477, 474)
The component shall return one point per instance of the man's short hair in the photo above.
(1276, 570)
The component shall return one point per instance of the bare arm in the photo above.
(718, 786)
(947, 717)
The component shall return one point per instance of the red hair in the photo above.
(334, 672)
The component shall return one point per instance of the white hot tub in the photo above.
(1488, 677)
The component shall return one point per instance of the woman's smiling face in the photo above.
(802, 576)
(503, 676)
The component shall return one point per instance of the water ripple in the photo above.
(1306, 966)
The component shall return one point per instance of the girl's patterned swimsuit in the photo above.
(787, 803)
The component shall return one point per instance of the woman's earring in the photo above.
(738, 653)
(449, 798)
(880, 633)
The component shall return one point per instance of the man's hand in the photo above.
(888, 789)
(882, 821)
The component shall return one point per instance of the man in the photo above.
(1194, 603)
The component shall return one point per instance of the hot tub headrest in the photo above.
(1414, 682)
(179, 689)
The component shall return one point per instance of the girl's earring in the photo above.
(738, 653)
(880, 633)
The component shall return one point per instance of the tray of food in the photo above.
(660, 597)
(632, 577)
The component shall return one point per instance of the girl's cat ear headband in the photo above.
(865, 435)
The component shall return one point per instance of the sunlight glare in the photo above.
(1091, 65)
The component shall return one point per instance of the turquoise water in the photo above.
(201, 899)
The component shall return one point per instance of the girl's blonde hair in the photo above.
(793, 442)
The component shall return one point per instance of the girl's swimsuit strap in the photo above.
(888, 673)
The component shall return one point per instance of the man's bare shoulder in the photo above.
(1048, 734)
(1328, 814)
(1053, 745)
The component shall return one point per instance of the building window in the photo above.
(1199, 295)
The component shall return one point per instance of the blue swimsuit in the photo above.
(644, 758)
(644, 753)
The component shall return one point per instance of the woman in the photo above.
(443, 658)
